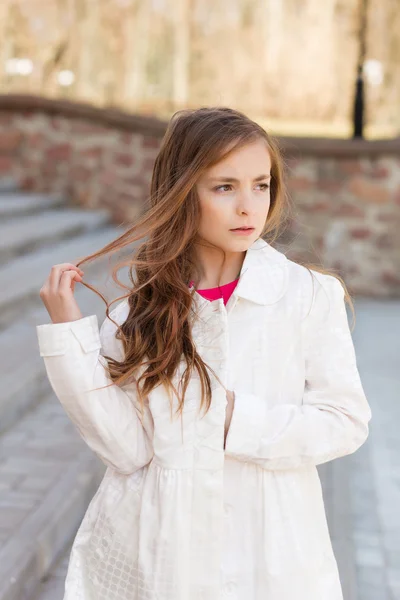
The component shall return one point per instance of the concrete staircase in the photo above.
(47, 474)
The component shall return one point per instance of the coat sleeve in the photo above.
(106, 419)
(332, 420)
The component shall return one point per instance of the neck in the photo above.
(214, 271)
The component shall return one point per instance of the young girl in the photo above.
(224, 376)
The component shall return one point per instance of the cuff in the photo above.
(247, 425)
(54, 338)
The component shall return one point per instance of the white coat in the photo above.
(177, 516)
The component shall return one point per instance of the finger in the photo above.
(71, 266)
(56, 272)
(67, 281)
(78, 268)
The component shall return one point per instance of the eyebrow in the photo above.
(234, 180)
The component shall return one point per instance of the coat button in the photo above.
(230, 587)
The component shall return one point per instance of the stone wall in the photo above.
(346, 197)
(345, 193)
(99, 158)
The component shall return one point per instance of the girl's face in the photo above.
(235, 193)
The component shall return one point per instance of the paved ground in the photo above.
(27, 445)
(53, 587)
(374, 469)
(375, 472)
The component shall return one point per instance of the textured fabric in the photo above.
(222, 291)
(177, 516)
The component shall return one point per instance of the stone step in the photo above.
(22, 278)
(29, 233)
(47, 473)
(22, 373)
(14, 204)
(8, 184)
(47, 478)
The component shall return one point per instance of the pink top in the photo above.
(222, 291)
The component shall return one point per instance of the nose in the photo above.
(246, 203)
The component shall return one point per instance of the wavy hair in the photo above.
(157, 333)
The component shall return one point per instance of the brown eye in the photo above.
(222, 186)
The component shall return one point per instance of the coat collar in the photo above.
(264, 274)
(263, 277)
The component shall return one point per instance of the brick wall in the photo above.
(345, 193)
(99, 158)
(346, 197)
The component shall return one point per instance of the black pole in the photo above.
(359, 106)
(359, 97)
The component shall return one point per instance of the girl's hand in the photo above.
(230, 396)
(57, 293)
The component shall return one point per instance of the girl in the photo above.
(220, 381)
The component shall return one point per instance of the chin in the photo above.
(241, 245)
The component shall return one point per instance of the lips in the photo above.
(242, 229)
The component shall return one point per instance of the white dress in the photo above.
(177, 516)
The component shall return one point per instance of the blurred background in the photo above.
(291, 63)
(86, 90)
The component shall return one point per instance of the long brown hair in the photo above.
(157, 331)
